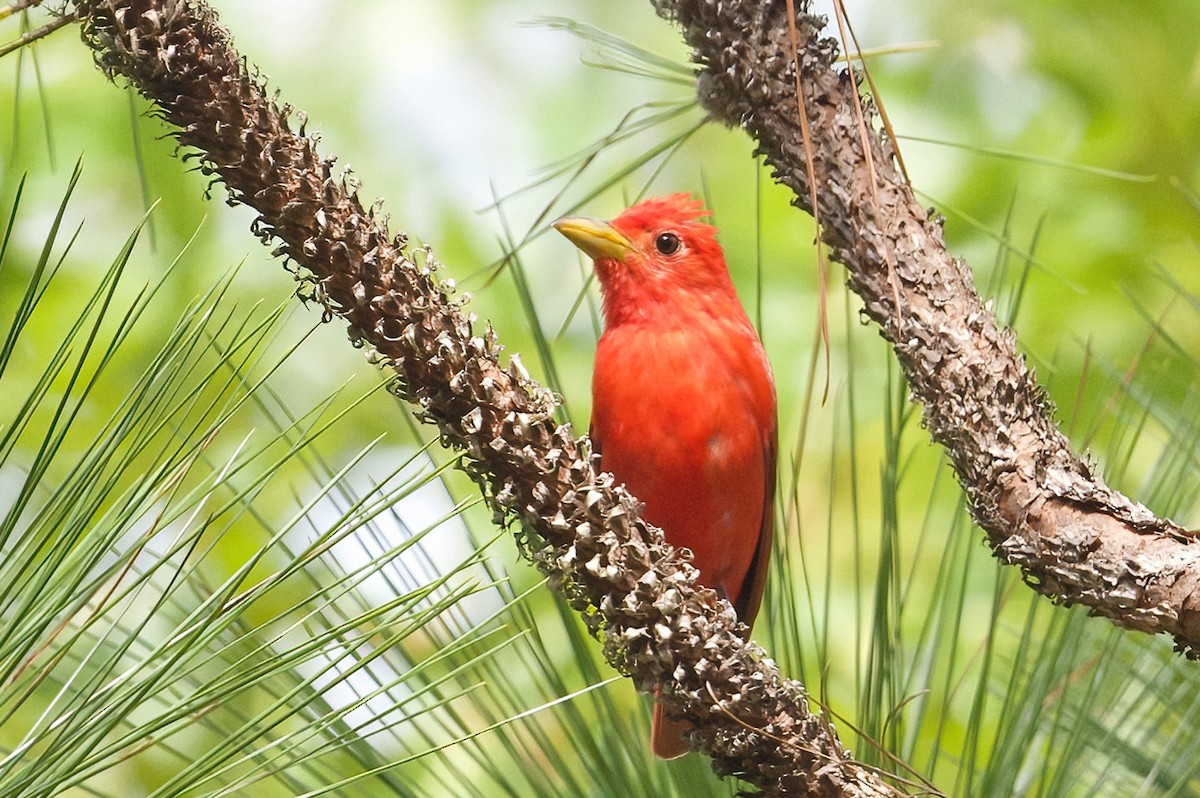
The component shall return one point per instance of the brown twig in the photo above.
(29, 37)
(20, 5)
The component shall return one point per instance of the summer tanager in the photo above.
(683, 404)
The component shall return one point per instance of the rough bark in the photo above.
(1075, 539)
(637, 595)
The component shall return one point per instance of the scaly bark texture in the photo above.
(637, 595)
(1075, 539)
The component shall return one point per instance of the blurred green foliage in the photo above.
(443, 105)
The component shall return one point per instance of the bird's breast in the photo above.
(706, 387)
(684, 419)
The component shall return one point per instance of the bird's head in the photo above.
(656, 254)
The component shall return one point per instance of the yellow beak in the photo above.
(596, 238)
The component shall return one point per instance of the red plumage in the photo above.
(683, 403)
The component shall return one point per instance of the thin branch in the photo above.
(20, 5)
(29, 37)
(635, 593)
(1076, 540)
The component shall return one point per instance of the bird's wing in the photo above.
(750, 597)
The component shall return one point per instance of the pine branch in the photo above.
(29, 37)
(1075, 539)
(636, 594)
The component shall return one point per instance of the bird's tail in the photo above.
(666, 735)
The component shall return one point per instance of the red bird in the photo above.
(683, 404)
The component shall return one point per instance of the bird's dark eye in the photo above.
(667, 243)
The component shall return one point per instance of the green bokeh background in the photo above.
(440, 105)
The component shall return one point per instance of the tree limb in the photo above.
(1075, 539)
(636, 594)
